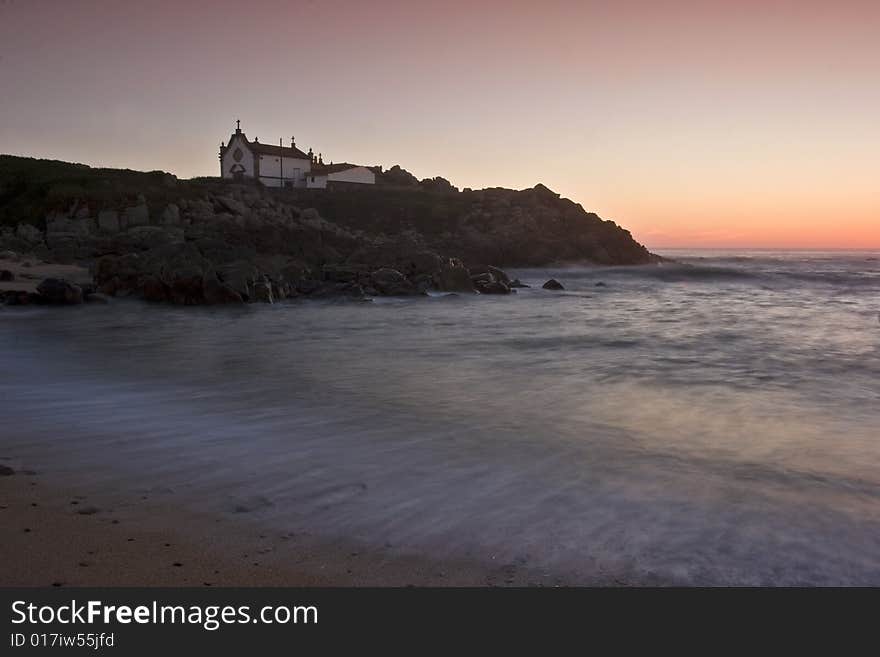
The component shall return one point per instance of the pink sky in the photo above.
(690, 123)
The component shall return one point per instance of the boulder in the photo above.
(453, 277)
(423, 283)
(228, 204)
(310, 215)
(108, 221)
(57, 291)
(187, 290)
(148, 237)
(553, 284)
(171, 215)
(20, 298)
(517, 283)
(219, 293)
(418, 263)
(307, 286)
(6, 275)
(263, 292)
(137, 215)
(353, 291)
(6, 471)
(482, 279)
(340, 273)
(492, 287)
(282, 290)
(240, 276)
(120, 275)
(495, 272)
(152, 289)
(28, 233)
(391, 282)
(97, 297)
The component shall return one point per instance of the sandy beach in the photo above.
(55, 534)
(30, 271)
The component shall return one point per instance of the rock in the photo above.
(240, 276)
(15, 297)
(138, 215)
(354, 291)
(6, 471)
(61, 224)
(340, 273)
(108, 221)
(308, 286)
(187, 289)
(419, 263)
(97, 297)
(423, 283)
(152, 289)
(263, 292)
(495, 272)
(120, 275)
(228, 204)
(171, 215)
(219, 293)
(453, 277)
(28, 233)
(553, 284)
(545, 192)
(6, 275)
(310, 215)
(148, 237)
(601, 284)
(517, 283)
(391, 282)
(493, 287)
(282, 290)
(398, 176)
(19, 298)
(57, 291)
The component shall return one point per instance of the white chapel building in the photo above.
(283, 166)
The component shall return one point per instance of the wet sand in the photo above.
(29, 272)
(55, 534)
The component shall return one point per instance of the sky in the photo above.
(741, 124)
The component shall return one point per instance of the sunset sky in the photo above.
(740, 124)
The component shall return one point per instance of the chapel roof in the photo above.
(268, 149)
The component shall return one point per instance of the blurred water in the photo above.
(709, 422)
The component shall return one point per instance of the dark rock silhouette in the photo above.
(206, 241)
(59, 292)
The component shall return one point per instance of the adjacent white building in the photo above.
(324, 175)
(285, 166)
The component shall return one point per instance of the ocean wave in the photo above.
(775, 274)
(664, 272)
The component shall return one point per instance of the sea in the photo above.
(713, 420)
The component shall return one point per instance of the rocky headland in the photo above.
(207, 241)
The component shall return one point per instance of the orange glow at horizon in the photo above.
(690, 123)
